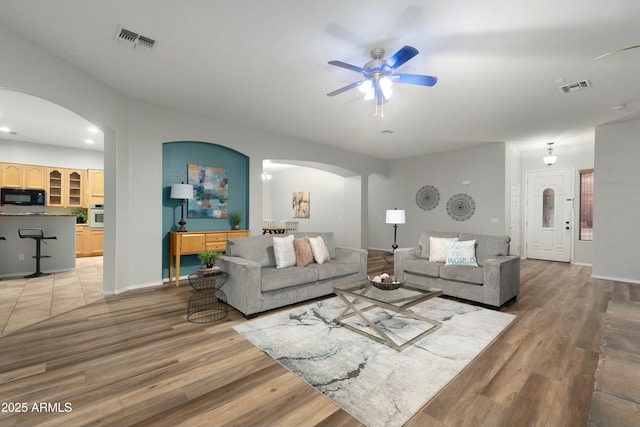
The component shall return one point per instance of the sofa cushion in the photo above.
(422, 267)
(438, 248)
(304, 256)
(461, 253)
(279, 278)
(329, 240)
(423, 242)
(319, 250)
(488, 246)
(462, 273)
(254, 248)
(284, 251)
(335, 268)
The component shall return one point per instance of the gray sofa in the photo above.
(495, 281)
(256, 285)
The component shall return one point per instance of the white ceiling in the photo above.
(263, 64)
(34, 119)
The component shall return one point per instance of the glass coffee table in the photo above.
(361, 297)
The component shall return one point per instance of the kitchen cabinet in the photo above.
(55, 187)
(66, 188)
(97, 242)
(96, 186)
(22, 176)
(83, 241)
(34, 177)
(89, 242)
(75, 188)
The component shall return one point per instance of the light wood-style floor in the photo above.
(133, 359)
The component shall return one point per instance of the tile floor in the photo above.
(24, 302)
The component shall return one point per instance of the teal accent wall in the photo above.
(175, 158)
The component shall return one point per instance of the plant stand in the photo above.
(208, 303)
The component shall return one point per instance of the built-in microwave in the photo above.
(17, 196)
(96, 216)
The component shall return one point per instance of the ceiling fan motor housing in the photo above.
(378, 67)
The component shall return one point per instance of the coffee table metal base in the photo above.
(381, 337)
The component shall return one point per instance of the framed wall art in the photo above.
(300, 204)
(210, 192)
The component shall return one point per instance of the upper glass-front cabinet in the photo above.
(55, 182)
(75, 186)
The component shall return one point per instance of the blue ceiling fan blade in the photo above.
(401, 56)
(347, 66)
(415, 79)
(345, 88)
(616, 51)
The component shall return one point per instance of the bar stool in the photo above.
(36, 234)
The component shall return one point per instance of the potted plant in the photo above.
(81, 217)
(236, 219)
(209, 257)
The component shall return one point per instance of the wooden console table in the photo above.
(194, 242)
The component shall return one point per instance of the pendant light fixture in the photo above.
(550, 158)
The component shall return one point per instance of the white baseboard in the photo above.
(132, 287)
(617, 279)
(586, 264)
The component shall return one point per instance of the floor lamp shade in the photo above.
(395, 216)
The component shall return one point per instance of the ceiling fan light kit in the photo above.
(379, 76)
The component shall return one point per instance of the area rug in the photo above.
(377, 385)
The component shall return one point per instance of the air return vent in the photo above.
(575, 87)
(133, 40)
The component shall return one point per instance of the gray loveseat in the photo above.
(495, 281)
(256, 285)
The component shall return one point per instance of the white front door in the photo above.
(549, 214)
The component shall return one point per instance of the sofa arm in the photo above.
(243, 285)
(401, 255)
(353, 254)
(501, 279)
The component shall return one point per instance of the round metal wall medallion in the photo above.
(427, 197)
(461, 207)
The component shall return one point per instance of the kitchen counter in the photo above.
(16, 254)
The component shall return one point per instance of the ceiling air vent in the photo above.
(133, 40)
(575, 87)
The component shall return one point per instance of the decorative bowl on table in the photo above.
(387, 282)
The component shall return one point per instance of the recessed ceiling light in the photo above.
(93, 130)
(89, 141)
(5, 129)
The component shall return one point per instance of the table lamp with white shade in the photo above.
(182, 192)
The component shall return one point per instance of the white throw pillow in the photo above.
(319, 249)
(462, 253)
(284, 251)
(438, 248)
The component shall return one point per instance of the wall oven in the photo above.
(96, 216)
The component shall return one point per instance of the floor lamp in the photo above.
(395, 217)
(182, 192)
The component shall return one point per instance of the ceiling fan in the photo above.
(379, 75)
(615, 51)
